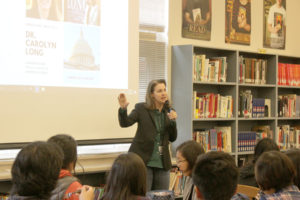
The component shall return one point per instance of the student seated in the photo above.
(294, 155)
(35, 171)
(247, 176)
(126, 180)
(274, 173)
(186, 156)
(66, 183)
(215, 176)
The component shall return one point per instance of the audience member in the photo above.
(66, 183)
(35, 171)
(127, 179)
(215, 176)
(186, 156)
(247, 176)
(294, 155)
(274, 173)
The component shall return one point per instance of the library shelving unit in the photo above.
(283, 89)
(183, 87)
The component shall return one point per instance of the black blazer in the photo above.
(143, 141)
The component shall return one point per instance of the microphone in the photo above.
(167, 107)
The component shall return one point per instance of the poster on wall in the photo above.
(274, 24)
(238, 21)
(196, 19)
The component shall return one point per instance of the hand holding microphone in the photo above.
(171, 112)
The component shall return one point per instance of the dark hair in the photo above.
(274, 170)
(216, 175)
(190, 150)
(36, 170)
(264, 145)
(126, 179)
(294, 155)
(150, 89)
(68, 146)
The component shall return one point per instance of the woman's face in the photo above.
(182, 164)
(160, 93)
(44, 8)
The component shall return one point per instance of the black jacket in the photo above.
(247, 176)
(143, 141)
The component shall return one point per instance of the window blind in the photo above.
(153, 43)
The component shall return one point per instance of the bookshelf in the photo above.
(184, 87)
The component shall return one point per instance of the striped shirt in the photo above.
(289, 193)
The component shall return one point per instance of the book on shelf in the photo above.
(245, 107)
(289, 105)
(287, 136)
(176, 181)
(209, 69)
(267, 108)
(214, 139)
(288, 74)
(263, 131)
(211, 105)
(252, 70)
(222, 71)
(258, 108)
(3, 196)
(250, 107)
(246, 141)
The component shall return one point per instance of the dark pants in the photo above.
(157, 179)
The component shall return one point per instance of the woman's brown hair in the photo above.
(127, 178)
(149, 100)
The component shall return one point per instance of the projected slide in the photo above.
(67, 43)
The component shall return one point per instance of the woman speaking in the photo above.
(156, 128)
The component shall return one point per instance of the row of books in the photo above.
(288, 136)
(252, 70)
(288, 74)
(210, 105)
(248, 139)
(289, 105)
(176, 183)
(209, 70)
(250, 107)
(216, 139)
(3, 197)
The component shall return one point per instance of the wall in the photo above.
(218, 28)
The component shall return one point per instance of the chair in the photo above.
(247, 190)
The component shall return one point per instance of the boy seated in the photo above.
(215, 176)
(35, 171)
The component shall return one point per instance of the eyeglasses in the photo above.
(180, 161)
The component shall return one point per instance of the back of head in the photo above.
(69, 147)
(216, 175)
(126, 179)
(190, 150)
(264, 145)
(36, 169)
(294, 155)
(274, 170)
